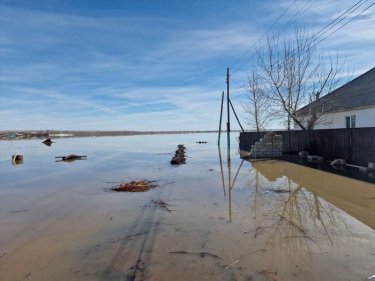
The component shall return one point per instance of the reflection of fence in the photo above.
(356, 145)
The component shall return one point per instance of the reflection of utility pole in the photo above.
(230, 182)
(228, 112)
(229, 164)
(256, 197)
(221, 169)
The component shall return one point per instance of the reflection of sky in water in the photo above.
(320, 222)
(104, 155)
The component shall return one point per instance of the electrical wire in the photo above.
(353, 18)
(283, 28)
(260, 38)
(339, 19)
(333, 24)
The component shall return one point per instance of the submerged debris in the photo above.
(136, 272)
(338, 162)
(201, 254)
(71, 157)
(17, 159)
(135, 186)
(279, 190)
(233, 263)
(269, 274)
(47, 142)
(315, 158)
(179, 156)
(161, 204)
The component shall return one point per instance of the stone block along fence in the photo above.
(270, 146)
(356, 145)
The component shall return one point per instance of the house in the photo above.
(350, 106)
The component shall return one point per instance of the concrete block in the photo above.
(303, 154)
(371, 166)
(310, 158)
(363, 169)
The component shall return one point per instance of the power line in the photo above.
(349, 21)
(332, 25)
(260, 38)
(340, 18)
(340, 27)
(284, 27)
(294, 18)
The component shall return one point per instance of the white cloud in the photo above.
(70, 71)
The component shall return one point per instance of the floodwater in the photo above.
(226, 220)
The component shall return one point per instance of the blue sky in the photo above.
(146, 65)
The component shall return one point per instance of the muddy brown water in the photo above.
(229, 220)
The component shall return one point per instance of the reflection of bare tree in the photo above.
(305, 207)
(289, 217)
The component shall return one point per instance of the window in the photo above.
(350, 121)
(347, 118)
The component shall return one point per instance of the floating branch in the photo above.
(161, 204)
(201, 254)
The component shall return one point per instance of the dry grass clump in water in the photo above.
(135, 186)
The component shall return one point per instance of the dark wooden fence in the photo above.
(357, 145)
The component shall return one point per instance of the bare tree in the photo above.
(257, 104)
(324, 81)
(295, 73)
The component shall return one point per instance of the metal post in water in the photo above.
(221, 117)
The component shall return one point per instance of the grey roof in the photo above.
(360, 92)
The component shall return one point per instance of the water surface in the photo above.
(229, 219)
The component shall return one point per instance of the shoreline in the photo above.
(42, 134)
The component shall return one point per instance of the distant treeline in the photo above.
(40, 134)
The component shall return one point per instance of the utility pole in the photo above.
(228, 110)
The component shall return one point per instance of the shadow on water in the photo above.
(346, 171)
(146, 225)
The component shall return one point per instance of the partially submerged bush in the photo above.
(135, 186)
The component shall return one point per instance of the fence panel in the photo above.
(357, 145)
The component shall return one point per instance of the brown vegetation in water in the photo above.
(135, 186)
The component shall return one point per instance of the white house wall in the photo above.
(365, 117)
